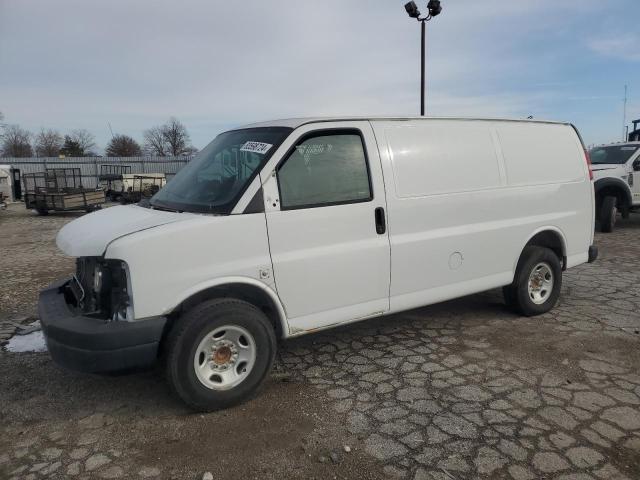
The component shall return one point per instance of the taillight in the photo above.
(588, 159)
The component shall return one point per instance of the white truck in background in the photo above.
(616, 171)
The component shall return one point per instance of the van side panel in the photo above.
(547, 154)
(457, 226)
(448, 156)
(540, 154)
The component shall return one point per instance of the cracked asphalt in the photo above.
(459, 390)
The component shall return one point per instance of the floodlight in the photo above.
(412, 9)
(434, 7)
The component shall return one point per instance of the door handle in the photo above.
(381, 224)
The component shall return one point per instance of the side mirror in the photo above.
(636, 165)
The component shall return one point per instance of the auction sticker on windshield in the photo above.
(256, 147)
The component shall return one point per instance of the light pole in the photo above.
(434, 10)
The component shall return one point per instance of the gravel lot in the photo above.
(458, 390)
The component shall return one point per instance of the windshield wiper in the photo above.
(154, 206)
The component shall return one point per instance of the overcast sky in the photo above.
(217, 64)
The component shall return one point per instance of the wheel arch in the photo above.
(550, 237)
(242, 288)
(614, 187)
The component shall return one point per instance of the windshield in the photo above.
(616, 155)
(214, 181)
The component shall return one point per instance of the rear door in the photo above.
(326, 218)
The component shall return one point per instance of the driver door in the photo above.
(325, 207)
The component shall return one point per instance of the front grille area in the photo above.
(86, 298)
(106, 297)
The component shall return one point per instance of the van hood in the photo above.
(91, 234)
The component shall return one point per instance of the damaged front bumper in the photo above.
(90, 344)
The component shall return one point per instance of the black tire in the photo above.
(625, 212)
(608, 214)
(42, 212)
(518, 296)
(509, 295)
(192, 327)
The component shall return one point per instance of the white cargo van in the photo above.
(288, 227)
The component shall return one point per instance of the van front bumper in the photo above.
(89, 344)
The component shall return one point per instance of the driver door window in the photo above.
(325, 169)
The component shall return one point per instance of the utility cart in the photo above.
(136, 187)
(111, 180)
(60, 190)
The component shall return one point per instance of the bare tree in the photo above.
(154, 142)
(123, 146)
(85, 140)
(171, 138)
(177, 137)
(48, 143)
(16, 142)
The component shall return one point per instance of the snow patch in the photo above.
(31, 342)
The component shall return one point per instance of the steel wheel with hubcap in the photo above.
(219, 353)
(537, 282)
(540, 283)
(225, 357)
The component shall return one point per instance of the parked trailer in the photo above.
(136, 187)
(60, 190)
(10, 183)
(111, 179)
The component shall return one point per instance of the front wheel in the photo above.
(608, 214)
(219, 353)
(536, 287)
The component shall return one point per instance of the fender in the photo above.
(617, 183)
(546, 228)
(219, 282)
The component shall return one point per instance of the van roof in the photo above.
(297, 122)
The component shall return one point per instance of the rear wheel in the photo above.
(608, 214)
(42, 211)
(624, 212)
(219, 353)
(536, 287)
